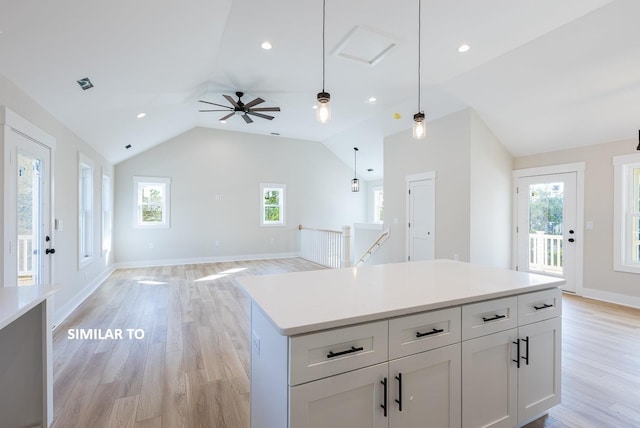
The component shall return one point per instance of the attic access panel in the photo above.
(365, 45)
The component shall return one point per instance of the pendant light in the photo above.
(355, 183)
(323, 113)
(419, 131)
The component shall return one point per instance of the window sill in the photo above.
(627, 268)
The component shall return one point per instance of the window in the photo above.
(627, 213)
(152, 196)
(106, 216)
(378, 205)
(272, 211)
(85, 210)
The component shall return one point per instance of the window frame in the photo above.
(376, 218)
(138, 183)
(86, 212)
(282, 205)
(623, 216)
(107, 214)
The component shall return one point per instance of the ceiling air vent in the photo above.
(85, 83)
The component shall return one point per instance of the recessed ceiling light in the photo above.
(275, 133)
(372, 100)
(141, 115)
(85, 83)
(223, 121)
(266, 46)
(464, 48)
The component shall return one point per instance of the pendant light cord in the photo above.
(419, 49)
(324, 12)
(355, 162)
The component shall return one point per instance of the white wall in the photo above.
(203, 163)
(473, 185)
(490, 218)
(75, 284)
(600, 280)
(446, 150)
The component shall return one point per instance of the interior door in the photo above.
(421, 219)
(547, 226)
(28, 259)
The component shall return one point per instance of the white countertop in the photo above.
(302, 302)
(16, 301)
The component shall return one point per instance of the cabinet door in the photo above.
(539, 374)
(426, 389)
(349, 400)
(490, 381)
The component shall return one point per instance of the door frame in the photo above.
(431, 175)
(578, 168)
(10, 122)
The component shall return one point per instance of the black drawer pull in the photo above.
(545, 306)
(517, 360)
(353, 349)
(497, 317)
(429, 333)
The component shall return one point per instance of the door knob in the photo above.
(50, 251)
(571, 240)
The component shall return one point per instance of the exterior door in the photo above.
(27, 211)
(547, 226)
(421, 219)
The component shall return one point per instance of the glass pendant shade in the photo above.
(355, 185)
(323, 112)
(419, 130)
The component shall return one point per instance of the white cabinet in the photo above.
(426, 389)
(494, 363)
(349, 400)
(513, 376)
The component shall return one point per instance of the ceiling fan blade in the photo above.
(212, 110)
(247, 118)
(265, 109)
(232, 101)
(264, 116)
(227, 116)
(209, 102)
(254, 102)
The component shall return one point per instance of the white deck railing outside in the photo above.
(545, 252)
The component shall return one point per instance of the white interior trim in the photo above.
(430, 175)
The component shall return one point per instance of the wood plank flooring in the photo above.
(192, 367)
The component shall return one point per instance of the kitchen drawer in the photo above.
(540, 305)
(491, 316)
(326, 353)
(429, 330)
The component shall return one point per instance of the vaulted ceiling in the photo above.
(543, 74)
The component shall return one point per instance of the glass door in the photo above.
(29, 215)
(546, 226)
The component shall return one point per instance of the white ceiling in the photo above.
(543, 74)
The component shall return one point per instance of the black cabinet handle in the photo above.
(50, 251)
(545, 306)
(517, 360)
(399, 400)
(384, 404)
(497, 317)
(526, 350)
(353, 349)
(429, 333)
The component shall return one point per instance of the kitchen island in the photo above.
(390, 345)
(26, 385)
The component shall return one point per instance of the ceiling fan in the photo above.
(242, 108)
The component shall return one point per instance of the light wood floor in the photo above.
(192, 367)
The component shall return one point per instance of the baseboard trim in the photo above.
(202, 260)
(606, 296)
(63, 313)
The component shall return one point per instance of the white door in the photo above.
(547, 226)
(350, 400)
(427, 389)
(421, 219)
(28, 210)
